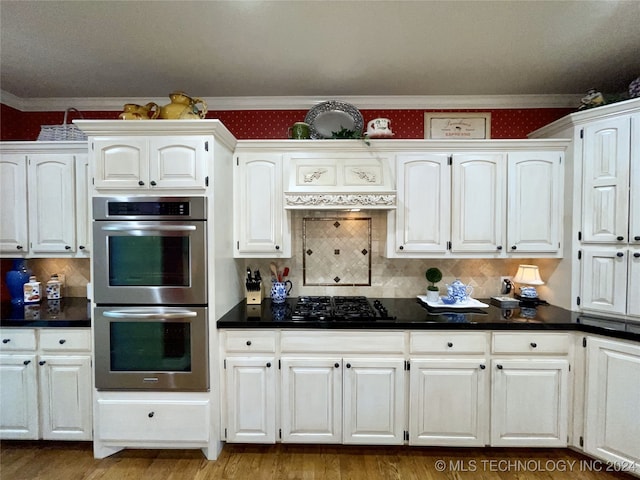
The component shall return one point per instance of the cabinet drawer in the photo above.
(250, 341)
(342, 342)
(153, 421)
(448, 342)
(530, 342)
(12, 339)
(65, 339)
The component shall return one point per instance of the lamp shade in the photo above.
(528, 275)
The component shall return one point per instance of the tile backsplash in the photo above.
(77, 272)
(396, 277)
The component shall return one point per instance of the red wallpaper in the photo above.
(273, 124)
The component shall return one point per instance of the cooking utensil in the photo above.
(274, 271)
(285, 273)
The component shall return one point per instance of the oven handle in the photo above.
(133, 314)
(167, 228)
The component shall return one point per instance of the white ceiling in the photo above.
(321, 49)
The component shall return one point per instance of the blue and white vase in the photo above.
(15, 280)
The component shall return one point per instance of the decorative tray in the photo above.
(471, 303)
(328, 117)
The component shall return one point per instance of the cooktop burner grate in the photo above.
(337, 309)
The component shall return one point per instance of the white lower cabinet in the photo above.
(612, 402)
(530, 389)
(45, 384)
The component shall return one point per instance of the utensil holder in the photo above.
(255, 297)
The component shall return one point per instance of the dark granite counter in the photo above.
(411, 314)
(71, 312)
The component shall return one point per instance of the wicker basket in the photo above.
(64, 132)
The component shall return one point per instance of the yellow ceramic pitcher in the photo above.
(131, 111)
(183, 106)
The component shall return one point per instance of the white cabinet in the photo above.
(604, 279)
(448, 374)
(612, 400)
(46, 384)
(530, 389)
(424, 184)
(261, 224)
(143, 163)
(45, 185)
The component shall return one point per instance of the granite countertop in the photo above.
(412, 315)
(70, 312)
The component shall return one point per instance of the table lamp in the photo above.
(528, 276)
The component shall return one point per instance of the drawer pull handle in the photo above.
(82, 247)
(499, 367)
(141, 183)
(620, 238)
(348, 365)
(27, 362)
(19, 247)
(636, 255)
(62, 341)
(620, 254)
(248, 343)
(449, 344)
(513, 247)
(482, 367)
(401, 247)
(6, 340)
(277, 247)
(268, 364)
(499, 247)
(151, 414)
(637, 238)
(67, 247)
(337, 365)
(42, 362)
(153, 183)
(533, 344)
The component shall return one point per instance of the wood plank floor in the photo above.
(25, 460)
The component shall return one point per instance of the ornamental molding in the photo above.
(364, 175)
(315, 175)
(340, 200)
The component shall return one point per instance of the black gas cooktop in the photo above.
(324, 308)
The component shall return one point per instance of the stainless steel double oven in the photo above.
(150, 290)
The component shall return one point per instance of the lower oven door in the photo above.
(151, 348)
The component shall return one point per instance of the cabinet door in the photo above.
(65, 397)
(634, 195)
(633, 299)
(120, 163)
(534, 205)
(83, 212)
(52, 207)
(605, 203)
(262, 225)
(424, 203)
(529, 402)
(13, 197)
(18, 397)
(612, 400)
(178, 162)
(311, 407)
(251, 409)
(374, 412)
(449, 402)
(604, 280)
(478, 203)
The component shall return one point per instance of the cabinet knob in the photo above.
(19, 247)
(151, 414)
(348, 365)
(27, 362)
(620, 238)
(141, 183)
(277, 247)
(81, 247)
(482, 367)
(268, 364)
(637, 238)
(248, 342)
(499, 247)
(401, 247)
(153, 183)
(449, 344)
(337, 365)
(620, 254)
(62, 341)
(533, 344)
(636, 255)
(67, 247)
(513, 247)
(6, 340)
(499, 367)
(42, 362)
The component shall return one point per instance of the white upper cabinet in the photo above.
(478, 203)
(13, 215)
(606, 160)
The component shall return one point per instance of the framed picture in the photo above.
(457, 126)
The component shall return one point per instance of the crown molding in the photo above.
(399, 102)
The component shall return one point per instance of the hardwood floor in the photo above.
(25, 460)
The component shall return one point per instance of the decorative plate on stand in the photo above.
(331, 117)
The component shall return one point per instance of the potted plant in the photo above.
(434, 275)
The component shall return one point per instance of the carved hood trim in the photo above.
(386, 201)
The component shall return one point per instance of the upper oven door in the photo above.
(150, 262)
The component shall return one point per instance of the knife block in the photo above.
(254, 297)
